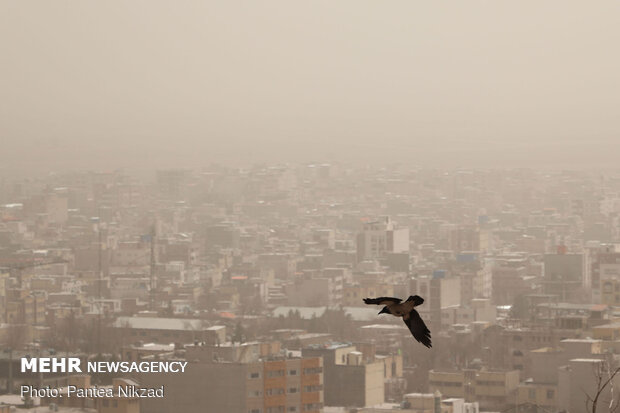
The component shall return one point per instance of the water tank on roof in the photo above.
(354, 358)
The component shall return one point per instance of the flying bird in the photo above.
(407, 311)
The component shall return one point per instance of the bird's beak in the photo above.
(383, 310)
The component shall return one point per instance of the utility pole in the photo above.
(152, 271)
(99, 281)
(10, 379)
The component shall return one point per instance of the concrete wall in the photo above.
(373, 383)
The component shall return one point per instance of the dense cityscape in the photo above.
(256, 278)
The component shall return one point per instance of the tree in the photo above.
(238, 334)
(604, 379)
(520, 308)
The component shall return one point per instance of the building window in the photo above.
(312, 388)
(550, 394)
(254, 411)
(532, 394)
(292, 372)
(106, 402)
(254, 375)
(292, 390)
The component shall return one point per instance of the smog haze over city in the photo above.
(107, 85)
(318, 207)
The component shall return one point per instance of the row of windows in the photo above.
(278, 390)
(143, 334)
(274, 373)
(446, 383)
(280, 409)
(532, 394)
(489, 383)
(533, 338)
(313, 388)
(277, 409)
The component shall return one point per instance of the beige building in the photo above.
(543, 395)
(353, 379)
(308, 289)
(478, 309)
(439, 292)
(424, 403)
(609, 332)
(491, 388)
(380, 237)
(270, 386)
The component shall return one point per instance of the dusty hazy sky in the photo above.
(107, 84)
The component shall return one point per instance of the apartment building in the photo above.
(491, 388)
(542, 395)
(273, 385)
(381, 237)
(353, 378)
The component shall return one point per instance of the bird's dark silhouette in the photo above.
(407, 311)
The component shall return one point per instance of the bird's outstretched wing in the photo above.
(382, 300)
(418, 328)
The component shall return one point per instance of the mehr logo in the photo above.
(51, 365)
